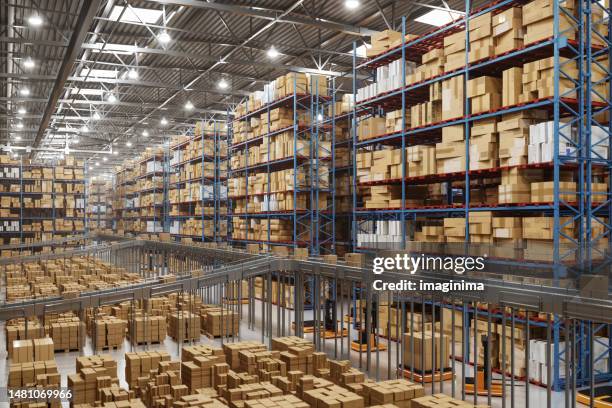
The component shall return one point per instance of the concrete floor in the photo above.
(537, 395)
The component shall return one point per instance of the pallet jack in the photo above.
(602, 397)
(481, 386)
(330, 325)
(364, 337)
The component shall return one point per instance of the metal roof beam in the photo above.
(89, 8)
(278, 16)
(205, 57)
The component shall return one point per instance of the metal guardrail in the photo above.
(568, 303)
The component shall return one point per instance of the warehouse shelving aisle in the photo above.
(475, 133)
(279, 165)
(40, 203)
(197, 186)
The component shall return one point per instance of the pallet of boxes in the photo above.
(147, 329)
(93, 373)
(184, 326)
(33, 365)
(219, 321)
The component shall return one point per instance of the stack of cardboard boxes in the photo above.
(539, 79)
(220, 321)
(484, 144)
(93, 373)
(454, 51)
(399, 393)
(508, 30)
(482, 44)
(67, 334)
(25, 351)
(538, 20)
(424, 345)
(441, 400)
(38, 373)
(109, 332)
(514, 140)
(450, 153)
(147, 329)
(484, 93)
(183, 326)
(140, 364)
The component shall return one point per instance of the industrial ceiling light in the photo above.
(84, 129)
(96, 116)
(29, 63)
(35, 20)
(75, 141)
(128, 144)
(163, 121)
(21, 111)
(90, 168)
(111, 98)
(351, 4)
(115, 152)
(320, 117)
(273, 52)
(188, 105)
(97, 163)
(17, 137)
(133, 74)
(164, 37)
(20, 125)
(145, 133)
(24, 92)
(222, 84)
(105, 158)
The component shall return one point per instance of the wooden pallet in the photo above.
(211, 336)
(364, 347)
(436, 376)
(68, 350)
(109, 347)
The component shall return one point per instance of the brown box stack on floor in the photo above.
(244, 392)
(199, 372)
(397, 392)
(184, 326)
(284, 401)
(442, 400)
(93, 373)
(148, 329)
(332, 396)
(67, 333)
(424, 345)
(110, 332)
(191, 352)
(220, 322)
(232, 351)
(16, 330)
(140, 365)
(38, 373)
(162, 385)
(197, 401)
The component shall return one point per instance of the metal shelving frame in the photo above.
(23, 216)
(586, 109)
(306, 223)
(214, 182)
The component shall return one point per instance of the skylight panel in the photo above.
(438, 18)
(135, 15)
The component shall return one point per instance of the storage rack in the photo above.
(307, 163)
(586, 111)
(99, 205)
(207, 204)
(59, 186)
(135, 180)
(339, 120)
